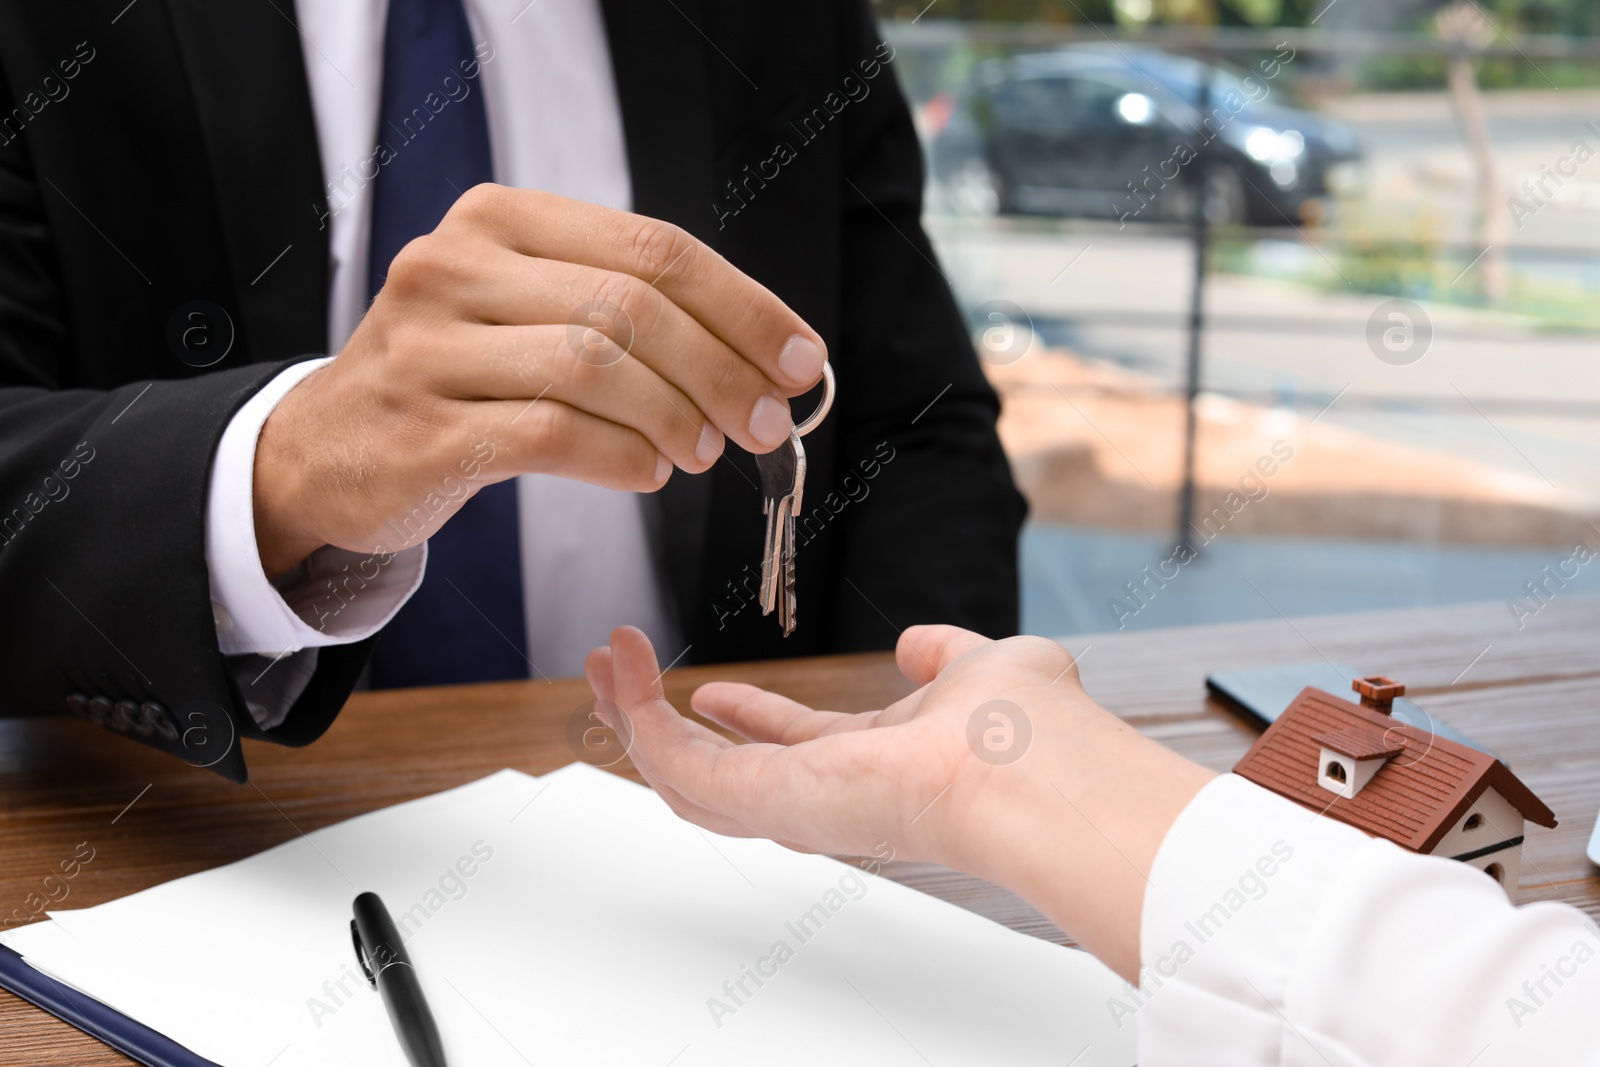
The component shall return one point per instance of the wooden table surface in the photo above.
(1531, 695)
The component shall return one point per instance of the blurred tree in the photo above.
(1575, 18)
(1567, 17)
(1000, 10)
(1463, 24)
(1570, 18)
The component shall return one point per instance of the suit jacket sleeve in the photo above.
(102, 525)
(935, 538)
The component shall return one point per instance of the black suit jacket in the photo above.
(162, 157)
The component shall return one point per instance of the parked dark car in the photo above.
(1113, 135)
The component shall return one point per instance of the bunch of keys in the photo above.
(783, 479)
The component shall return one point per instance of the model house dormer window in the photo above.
(1348, 759)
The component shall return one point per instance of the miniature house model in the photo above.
(1396, 781)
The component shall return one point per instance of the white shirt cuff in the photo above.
(1273, 936)
(335, 597)
(1231, 891)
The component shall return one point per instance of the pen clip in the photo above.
(361, 955)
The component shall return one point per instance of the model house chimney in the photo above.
(1378, 692)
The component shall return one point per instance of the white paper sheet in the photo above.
(573, 919)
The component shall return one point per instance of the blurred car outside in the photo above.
(1082, 132)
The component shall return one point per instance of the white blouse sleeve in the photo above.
(1272, 935)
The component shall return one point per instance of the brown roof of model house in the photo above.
(1361, 744)
(1426, 784)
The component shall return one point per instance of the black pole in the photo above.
(1201, 237)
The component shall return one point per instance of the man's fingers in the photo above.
(484, 442)
(540, 362)
(741, 311)
(544, 436)
(923, 651)
(598, 320)
(762, 716)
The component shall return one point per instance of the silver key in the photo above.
(783, 478)
(783, 481)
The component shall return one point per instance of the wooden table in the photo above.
(1532, 695)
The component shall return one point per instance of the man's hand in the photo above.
(553, 335)
(999, 765)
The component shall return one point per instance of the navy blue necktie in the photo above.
(465, 623)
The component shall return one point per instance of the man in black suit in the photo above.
(164, 257)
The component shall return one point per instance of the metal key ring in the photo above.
(815, 418)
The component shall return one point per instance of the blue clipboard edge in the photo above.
(127, 1036)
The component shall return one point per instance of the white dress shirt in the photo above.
(1275, 937)
(554, 124)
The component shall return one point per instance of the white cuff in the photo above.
(1232, 892)
(1276, 937)
(335, 597)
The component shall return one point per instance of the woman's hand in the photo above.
(998, 764)
(827, 781)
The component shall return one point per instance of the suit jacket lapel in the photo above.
(657, 56)
(250, 91)
(659, 60)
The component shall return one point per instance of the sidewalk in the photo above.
(1071, 576)
(1094, 445)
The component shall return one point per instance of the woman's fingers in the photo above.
(665, 746)
(700, 815)
(923, 651)
(817, 794)
(703, 771)
(598, 666)
(662, 733)
(762, 716)
(635, 674)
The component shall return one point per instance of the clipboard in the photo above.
(132, 1039)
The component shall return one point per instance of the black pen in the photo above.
(387, 967)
